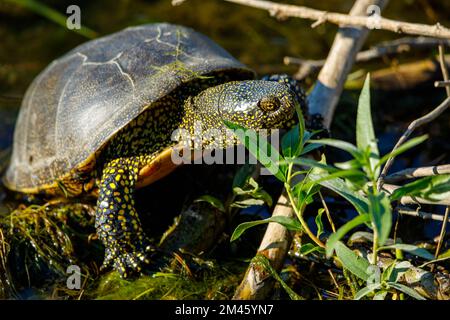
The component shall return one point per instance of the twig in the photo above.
(441, 84)
(177, 2)
(420, 214)
(421, 121)
(276, 240)
(443, 67)
(442, 234)
(286, 10)
(327, 211)
(411, 173)
(413, 126)
(383, 49)
(390, 188)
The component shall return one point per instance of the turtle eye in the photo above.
(270, 103)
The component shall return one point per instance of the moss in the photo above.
(216, 283)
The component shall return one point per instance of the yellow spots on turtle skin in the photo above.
(112, 185)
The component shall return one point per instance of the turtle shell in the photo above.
(74, 106)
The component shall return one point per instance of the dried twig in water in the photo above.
(411, 173)
(287, 10)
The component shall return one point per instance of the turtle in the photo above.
(100, 120)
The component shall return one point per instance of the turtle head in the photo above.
(253, 104)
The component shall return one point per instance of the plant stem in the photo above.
(298, 212)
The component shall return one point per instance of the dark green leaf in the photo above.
(433, 188)
(243, 174)
(351, 261)
(290, 143)
(289, 223)
(404, 147)
(310, 163)
(339, 186)
(319, 223)
(308, 248)
(420, 252)
(333, 240)
(310, 147)
(261, 261)
(410, 292)
(365, 135)
(367, 290)
(261, 149)
(381, 215)
(216, 203)
(343, 145)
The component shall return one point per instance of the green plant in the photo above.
(356, 181)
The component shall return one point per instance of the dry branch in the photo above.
(287, 10)
(347, 43)
(420, 214)
(275, 244)
(411, 173)
(383, 49)
(413, 126)
(441, 84)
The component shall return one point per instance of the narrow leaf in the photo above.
(420, 252)
(333, 240)
(410, 292)
(351, 261)
(365, 134)
(404, 147)
(288, 223)
(367, 290)
(216, 203)
(381, 215)
(261, 149)
(343, 145)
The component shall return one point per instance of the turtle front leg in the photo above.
(116, 220)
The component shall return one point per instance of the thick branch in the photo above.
(288, 10)
(349, 40)
(275, 244)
